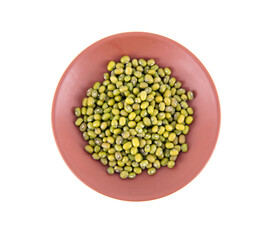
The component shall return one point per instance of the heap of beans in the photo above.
(136, 119)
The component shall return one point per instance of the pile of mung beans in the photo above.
(136, 119)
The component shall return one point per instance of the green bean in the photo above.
(127, 145)
(174, 152)
(128, 168)
(79, 121)
(189, 120)
(190, 95)
(173, 158)
(111, 65)
(164, 161)
(171, 164)
(190, 111)
(125, 59)
(104, 161)
(142, 62)
(124, 174)
(184, 112)
(143, 164)
(186, 129)
(83, 110)
(137, 170)
(118, 169)
(169, 145)
(110, 170)
(184, 105)
(161, 72)
(184, 147)
(95, 156)
(171, 137)
(138, 157)
(135, 142)
(156, 164)
(85, 136)
(150, 62)
(135, 62)
(132, 175)
(89, 149)
(112, 163)
(151, 171)
(83, 127)
(77, 112)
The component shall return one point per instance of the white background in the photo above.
(42, 199)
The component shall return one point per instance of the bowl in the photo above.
(88, 67)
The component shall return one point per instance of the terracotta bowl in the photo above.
(89, 67)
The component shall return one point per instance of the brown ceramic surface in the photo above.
(89, 67)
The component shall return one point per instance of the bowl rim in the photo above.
(100, 41)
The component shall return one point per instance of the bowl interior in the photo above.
(88, 67)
